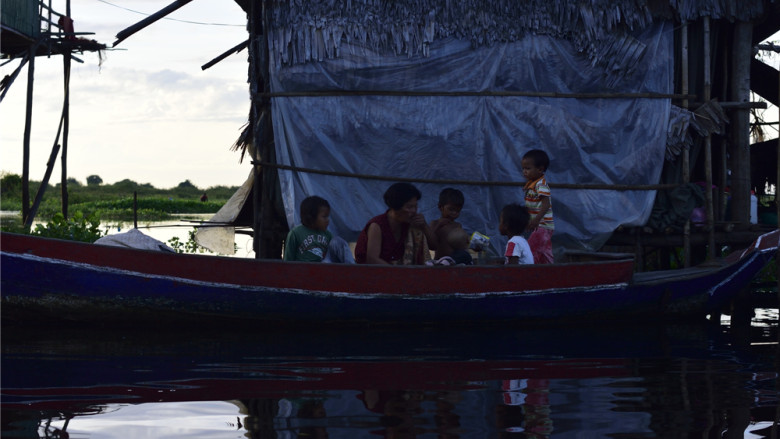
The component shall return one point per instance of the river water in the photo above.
(651, 381)
(696, 379)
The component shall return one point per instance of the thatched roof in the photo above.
(304, 31)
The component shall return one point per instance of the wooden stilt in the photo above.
(43, 186)
(740, 124)
(708, 147)
(686, 167)
(65, 127)
(27, 131)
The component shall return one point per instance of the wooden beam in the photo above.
(235, 49)
(125, 33)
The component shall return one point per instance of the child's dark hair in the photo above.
(516, 218)
(310, 208)
(452, 196)
(399, 193)
(540, 158)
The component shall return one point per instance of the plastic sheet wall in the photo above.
(590, 141)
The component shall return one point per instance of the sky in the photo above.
(148, 112)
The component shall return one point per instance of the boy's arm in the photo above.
(534, 223)
(418, 220)
(290, 244)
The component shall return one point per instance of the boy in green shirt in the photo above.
(309, 241)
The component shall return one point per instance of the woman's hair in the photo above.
(399, 193)
(452, 196)
(310, 208)
(539, 157)
(516, 218)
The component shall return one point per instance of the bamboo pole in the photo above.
(255, 60)
(11, 78)
(270, 175)
(66, 61)
(44, 184)
(686, 172)
(576, 186)
(26, 141)
(235, 49)
(724, 142)
(498, 93)
(708, 146)
(65, 128)
(125, 33)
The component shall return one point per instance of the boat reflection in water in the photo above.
(653, 381)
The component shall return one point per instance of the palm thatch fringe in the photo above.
(708, 119)
(310, 31)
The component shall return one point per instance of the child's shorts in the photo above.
(540, 242)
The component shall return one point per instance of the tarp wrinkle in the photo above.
(604, 140)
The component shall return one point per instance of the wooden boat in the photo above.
(49, 278)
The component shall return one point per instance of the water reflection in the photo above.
(659, 381)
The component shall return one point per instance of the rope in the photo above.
(612, 187)
(323, 93)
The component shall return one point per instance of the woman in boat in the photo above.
(400, 236)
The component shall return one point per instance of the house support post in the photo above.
(724, 142)
(740, 126)
(254, 67)
(27, 130)
(266, 243)
(708, 146)
(686, 167)
(66, 59)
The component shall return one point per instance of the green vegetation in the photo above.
(114, 201)
(78, 228)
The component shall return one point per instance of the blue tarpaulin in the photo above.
(604, 140)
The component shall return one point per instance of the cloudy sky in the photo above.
(148, 113)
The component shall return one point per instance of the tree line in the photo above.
(115, 200)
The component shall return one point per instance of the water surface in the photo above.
(664, 380)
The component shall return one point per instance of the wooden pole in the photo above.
(271, 245)
(740, 124)
(42, 188)
(724, 178)
(65, 127)
(686, 171)
(255, 10)
(66, 61)
(708, 146)
(135, 209)
(123, 34)
(27, 130)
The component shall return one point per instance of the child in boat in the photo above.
(309, 241)
(512, 223)
(459, 240)
(450, 204)
(539, 205)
